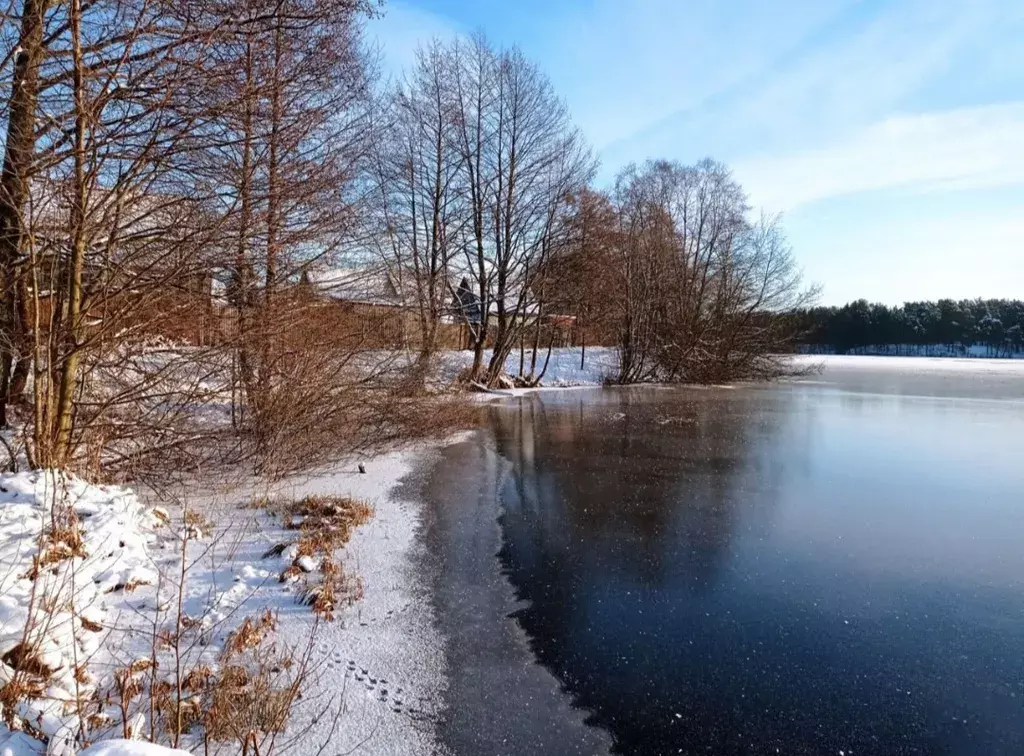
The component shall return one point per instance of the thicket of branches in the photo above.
(170, 171)
(995, 324)
(670, 267)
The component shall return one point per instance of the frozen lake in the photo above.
(827, 566)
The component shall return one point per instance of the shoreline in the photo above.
(499, 698)
(380, 663)
(435, 627)
(401, 559)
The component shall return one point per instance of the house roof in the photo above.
(365, 285)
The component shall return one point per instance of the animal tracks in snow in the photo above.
(378, 687)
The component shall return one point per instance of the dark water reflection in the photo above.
(792, 569)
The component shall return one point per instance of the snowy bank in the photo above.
(92, 573)
(70, 553)
(568, 366)
(379, 670)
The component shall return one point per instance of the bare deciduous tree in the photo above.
(522, 162)
(419, 206)
(698, 284)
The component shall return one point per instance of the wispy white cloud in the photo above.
(968, 148)
(872, 66)
(910, 55)
(626, 66)
(402, 30)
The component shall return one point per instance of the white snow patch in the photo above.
(564, 369)
(129, 748)
(19, 744)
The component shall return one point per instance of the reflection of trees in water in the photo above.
(616, 503)
(649, 484)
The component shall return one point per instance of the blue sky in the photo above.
(889, 132)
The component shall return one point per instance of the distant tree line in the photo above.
(995, 324)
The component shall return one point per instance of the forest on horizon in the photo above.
(996, 324)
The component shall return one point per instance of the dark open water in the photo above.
(828, 567)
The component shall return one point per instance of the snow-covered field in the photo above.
(977, 365)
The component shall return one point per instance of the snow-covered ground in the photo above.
(564, 368)
(19, 744)
(121, 747)
(375, 674)
(380, 665)
(72, 558)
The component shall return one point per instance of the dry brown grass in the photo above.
(188, 712)
(24, 658)
(21, 688)
(255, 688)
(256, 706)
(92, 627)
(198, 679)
(130, 586)
(197, 524)
(250, 634)
(29, 681)
(63, 541)
(336, 587)
(325, 523)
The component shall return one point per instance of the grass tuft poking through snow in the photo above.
(324, 524)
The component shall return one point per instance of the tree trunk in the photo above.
(14, 184)
(74, 336)
(478, 355)
(583, 349)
